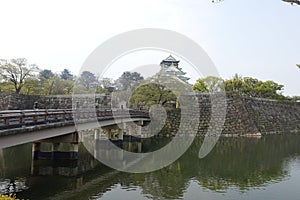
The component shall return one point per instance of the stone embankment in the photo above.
(244, 116)
(23, 102)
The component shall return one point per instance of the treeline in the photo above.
(17, 76)
(243, 86)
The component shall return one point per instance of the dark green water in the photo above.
(237, 168)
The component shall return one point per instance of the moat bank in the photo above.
(244, 116)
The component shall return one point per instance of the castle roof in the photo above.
(170, 58)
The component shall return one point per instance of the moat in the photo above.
(237, 168)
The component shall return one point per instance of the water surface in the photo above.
(237, 168)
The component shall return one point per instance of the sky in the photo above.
(260, 39)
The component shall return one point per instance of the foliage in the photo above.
(200, 86)
(19, 77)
(66, 75)
(129, 80)
(31, 86)
(46, 74)
(88, 79)
(247, 86)
(209, 84)
(6, 88)
(150, 94)
(16, 71)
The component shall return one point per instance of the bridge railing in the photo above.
(24, 118)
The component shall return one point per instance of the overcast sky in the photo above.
(252, 38)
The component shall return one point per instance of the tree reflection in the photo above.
(242, 163)
(234, 162)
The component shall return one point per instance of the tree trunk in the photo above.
(18, 90)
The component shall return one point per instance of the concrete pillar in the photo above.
(73, 151)
(139, 147)
(55, 147)
(124, 128)
(97, 134)
(36, 149)
(129, 146)
(129, 130)
(2, 161)
(139, 130)
(55, 150)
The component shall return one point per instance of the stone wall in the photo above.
(23, 102)
(244, 116)
(271, 117)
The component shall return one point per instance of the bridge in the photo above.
(23, 126)
(60, 130)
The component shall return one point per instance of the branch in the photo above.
(288, 1)
(292, 1)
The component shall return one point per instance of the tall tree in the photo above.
(88, 79)
(235, 84)
(16, 71)
(46, 74)
(150, 94)
(129, 80)
(209, 84)
(247, 86)
(200, 86)
(66, 75)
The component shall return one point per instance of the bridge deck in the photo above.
(49, 123)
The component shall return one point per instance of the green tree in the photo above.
(6, 88)
(209, 84)
(234, 85)
(16, 71)
(247, 86)
(88, 79)
(106, 85)
(200, 86)
(57, 85)
(129, 80)
(150, 94)
(32, 86)
(46, 74)
(66, 75)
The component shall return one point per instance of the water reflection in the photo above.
(240, 163)
(12, 186)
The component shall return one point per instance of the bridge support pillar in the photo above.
(73, 151)
(36, 150)
(129, 130)
(139, 130)
(139, 147)
(99, 134)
